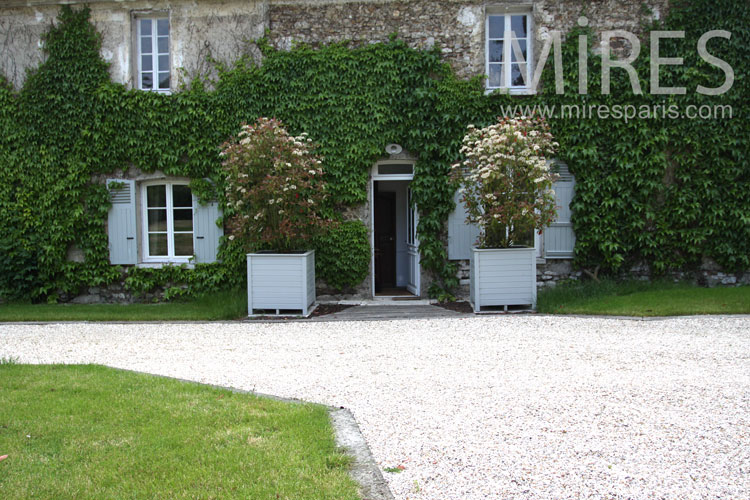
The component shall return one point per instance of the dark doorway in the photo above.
(385, 240)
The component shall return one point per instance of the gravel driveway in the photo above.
(507, 407)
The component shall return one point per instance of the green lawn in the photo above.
(226, 305)
(636, 298)
(94, 432)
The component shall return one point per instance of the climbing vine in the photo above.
(662, 191)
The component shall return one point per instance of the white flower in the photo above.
(231, 237)
(271, 201)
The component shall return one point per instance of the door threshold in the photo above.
(397, 300)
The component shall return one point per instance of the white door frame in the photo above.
(413, 284)
(376, 176)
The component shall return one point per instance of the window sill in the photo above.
(165, 92)
(159, 265)
(503, 90)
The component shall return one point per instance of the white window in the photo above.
(167, 222)
(509, 52)
(153, 54)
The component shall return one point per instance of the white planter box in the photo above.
(503, 277)
(280, 283)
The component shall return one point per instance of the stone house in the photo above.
(159, 45)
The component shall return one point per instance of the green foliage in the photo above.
(180, 280)
(642, 298)
(227, 304)
(506, 180)
(118, 434)
(276, 192)
(342, 256)
(664, 191)
(667, 192)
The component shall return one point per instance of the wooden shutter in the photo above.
(123, 246)
(559, 239)
(206, 233)
(461, 235)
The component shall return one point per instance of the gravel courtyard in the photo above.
(506, 407)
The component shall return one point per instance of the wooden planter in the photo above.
(503, 277)
(280, 283)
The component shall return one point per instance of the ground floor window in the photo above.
(168, 221)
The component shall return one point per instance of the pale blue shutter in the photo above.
(559, 239)
(206, 233)
(123, 246)
(461, 235)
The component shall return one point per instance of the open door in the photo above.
(385, 241)
(412, 245)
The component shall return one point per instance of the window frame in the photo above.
(508, 48)
(154, 17)
(170, 257)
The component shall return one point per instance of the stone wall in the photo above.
(116, 293)
(457, 26)
(222, 29)
(552, 271)
(225, 29)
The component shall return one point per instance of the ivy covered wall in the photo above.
(669, 192)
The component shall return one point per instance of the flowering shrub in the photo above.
(506, 181)
(275, 188)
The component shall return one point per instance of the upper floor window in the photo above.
(153, 54)
(509, 52)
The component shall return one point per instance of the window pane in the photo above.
(405, 168)
(164, 63)
(146, 63)
(157, 244)
(183, 219)
(516, 78)
(496, 79)
(181, 196)
(157, 196)
(163, 44)
(145, 45)
(147, 81)
(518, 24)
(162, 27)
(497, 26)
(145, 26)
(496, 51)
(183, 244)
(513, 56)
(163, 80)
(157, 220)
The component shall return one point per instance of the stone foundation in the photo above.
(550, 272)
(117, 293)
